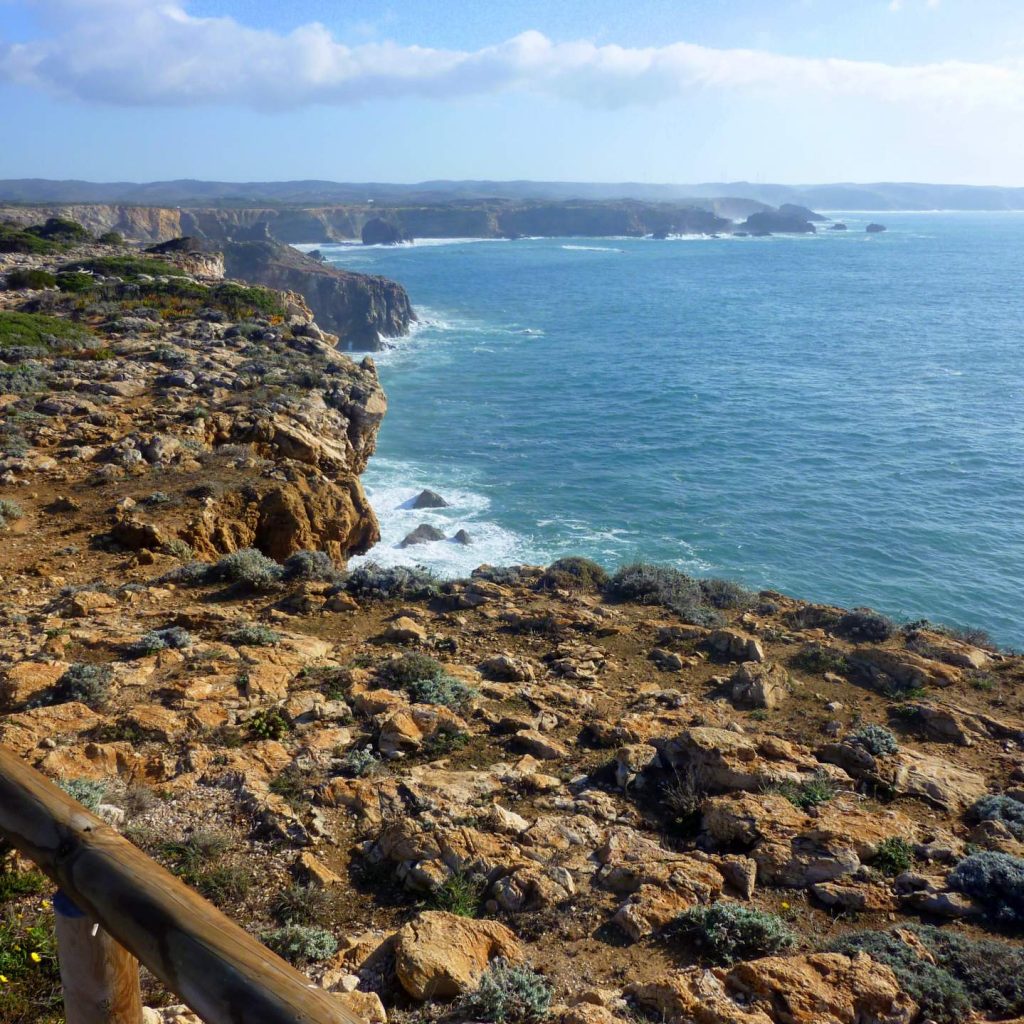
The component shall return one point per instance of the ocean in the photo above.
(838, 417)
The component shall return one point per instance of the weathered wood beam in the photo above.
(100, 978)
(207, 961)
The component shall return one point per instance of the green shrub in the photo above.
(660, 584)
(727, 932)
(240, 301)
(726, 594)
(246, 568)
(895, 855)
(941, 996)
(87, 683)
(90, 793)
(253, 635)
(190, 857)
(361, 762)
(876, 739)
(996, 807)
(381, 583)
(508, 994)
(812, 792)
(19, 279)
(60, 229)
(10, 511)
(819, 658)
(991, 972)
(268, 725)
(303, 904)
(865, 625)
(301, 944)
(179, 549)
(401, 672)
(574, 573)
(75, 282)
(15, 239)
(292, 785)
(127, 267)
(461, 893)
(191, 574)
(443, 741)
(445, 690)
(36, 331)
(15, 884)
(173, 637)
(111, 238)
(995, 879)
(313, 566)
(224, 883)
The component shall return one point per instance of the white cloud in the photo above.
(149, 52)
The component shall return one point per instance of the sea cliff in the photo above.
(360, 308)
(458, 219)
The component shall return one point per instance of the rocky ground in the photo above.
(532, 794)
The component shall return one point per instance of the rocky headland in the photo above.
(362, 309)
(539, 794)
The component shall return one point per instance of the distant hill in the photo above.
(729, 199)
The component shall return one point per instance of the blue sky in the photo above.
(684, 91)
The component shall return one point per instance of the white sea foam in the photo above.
(592, 248)
(391, 486)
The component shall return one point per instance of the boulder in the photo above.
(759, 685)
(508, 669)
(874, 229)
(429, 499)
(439, 955)
(820, 988)
(405, 630)
(423, 534)
(793, 849)
(935, 780)
(737, 646)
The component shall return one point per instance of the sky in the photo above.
(793, 91)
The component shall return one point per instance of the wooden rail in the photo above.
(220, 971)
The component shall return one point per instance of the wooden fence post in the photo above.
(221, 972)
(99, 977)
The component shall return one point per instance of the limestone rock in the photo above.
(405, 631)
(759, 685)
(439, 955)
(730, 643)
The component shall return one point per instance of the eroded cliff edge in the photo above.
(120, 367)
(359, 308)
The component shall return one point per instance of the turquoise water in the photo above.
(837, 417)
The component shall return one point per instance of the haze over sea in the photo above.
(838, 417)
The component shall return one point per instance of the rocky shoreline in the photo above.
(537, 794)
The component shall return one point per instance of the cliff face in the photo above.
(136, 223)
(459, 219)
(209, 384)
(359, 308)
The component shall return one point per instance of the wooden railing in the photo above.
(119, 908)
